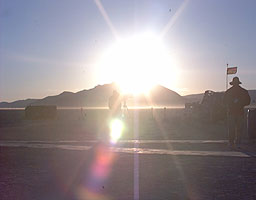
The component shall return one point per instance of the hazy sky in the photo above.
(51, 46)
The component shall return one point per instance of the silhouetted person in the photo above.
(125, 113)
(83, 114)
(235, 99)
(164, 113)
(114, 104)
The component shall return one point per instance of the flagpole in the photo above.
(227, 78)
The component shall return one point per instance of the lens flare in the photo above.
(116, 130)
(93, 187)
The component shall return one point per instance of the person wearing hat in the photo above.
(235, 98)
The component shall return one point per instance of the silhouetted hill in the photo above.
(98, 97)
(194, 97)
(17, 104)
(158, 96)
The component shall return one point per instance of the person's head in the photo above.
(235, 81)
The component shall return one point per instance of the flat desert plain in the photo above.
(159, 156)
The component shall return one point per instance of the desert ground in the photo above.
(157, 157)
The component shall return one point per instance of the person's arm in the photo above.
(245, 98)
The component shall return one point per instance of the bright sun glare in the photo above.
(138, 63)
(116, 130)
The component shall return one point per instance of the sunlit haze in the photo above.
(47, 47)
(138, 63)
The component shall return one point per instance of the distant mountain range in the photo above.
(98, 97)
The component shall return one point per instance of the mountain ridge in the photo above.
(98, 97)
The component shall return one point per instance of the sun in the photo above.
(137, 64)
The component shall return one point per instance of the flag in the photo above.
(231, 70)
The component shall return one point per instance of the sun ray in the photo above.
(134, 64)
(174, 18)
(106, 17)
(188, 187)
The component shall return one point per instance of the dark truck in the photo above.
(211, 108)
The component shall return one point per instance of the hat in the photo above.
(235, 81)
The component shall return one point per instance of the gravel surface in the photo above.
(27, 173)
(53, 173)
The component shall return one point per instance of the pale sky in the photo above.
(51, 46)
